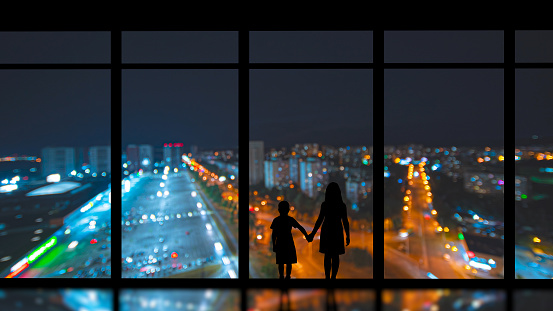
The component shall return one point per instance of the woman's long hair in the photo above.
(333, 193)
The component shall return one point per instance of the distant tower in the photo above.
(257, 155)
(58, 161)
(167, 150)
(146, 156)
(100, 159)
(132, 156)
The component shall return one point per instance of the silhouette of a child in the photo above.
(283, 242)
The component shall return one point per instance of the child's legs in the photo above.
(288, 270)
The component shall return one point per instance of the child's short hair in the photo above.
(283, 207)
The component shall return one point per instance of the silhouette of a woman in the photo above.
(333, 216)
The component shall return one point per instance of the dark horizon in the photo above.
(65, 108)
(193, 107)
(329, 107)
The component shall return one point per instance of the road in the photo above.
(424, 248)
(530, 266)
(75, 254)
(169, 230)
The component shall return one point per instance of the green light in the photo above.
(42, 249)
(460, 236)
(365, 161)
(524, 196)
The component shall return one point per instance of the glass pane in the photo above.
(55, 47)
(443, 299)
(534, 299)
(309, 128)
(55, 173)
(533, 173)
(443, 46)
(180, 46)
(179, 299)
(180, 187)
(444, 174)
(311, 299)
(534, 46)
(57, 299)
(311, 46)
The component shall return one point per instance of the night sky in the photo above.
(443, 107)
(331, 107)
(194, 107)
(55, 47)
(63, 108)
(533, 103)
(311, 46)
(443, 46)
(431, 107)
(534, 46)
(180, 46)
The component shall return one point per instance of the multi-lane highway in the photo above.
(170, 229)
(426, 254)
(80, 248)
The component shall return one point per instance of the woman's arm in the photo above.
(319, 221)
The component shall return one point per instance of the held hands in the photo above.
(309, 237)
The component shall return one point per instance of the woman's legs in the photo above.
(288, 270)
(335, 265)
(327, 265)
(331, 264)
(281, 271)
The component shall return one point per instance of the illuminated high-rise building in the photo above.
(100, 159)
(58, 160)
(257, 155)
(276, 173)
(312, 177)
(146, 156)
(133, 158)
(172, 154)
(294, 168)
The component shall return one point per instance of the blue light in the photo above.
(399, 181)
(363, 184)
(432, 276)
(437, 150)
(386, 174)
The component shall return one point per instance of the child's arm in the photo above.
(300, 228)
(303, 231)
(274, 237)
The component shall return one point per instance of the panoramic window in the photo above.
(444, 168)
(310, 131)
(533, 168)
(180, 104)
(179, 168)
(55, 162)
